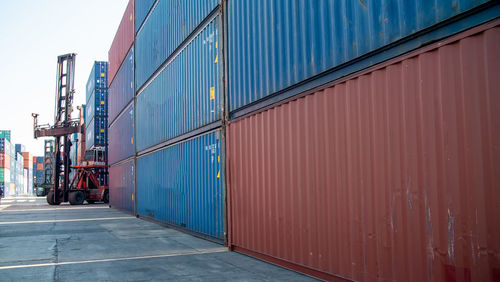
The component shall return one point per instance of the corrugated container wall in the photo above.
(98, 78)
(181, 185)
(121, 91)
(271, 45)
(124, 38)
(121, 136)
(167, 26)
(97, 105)
(391, 175)
(96, 133)
(122, 185)
(142, 8)
(186, 95)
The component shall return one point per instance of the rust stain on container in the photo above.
(391, 175)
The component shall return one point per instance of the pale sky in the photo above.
(32, 34)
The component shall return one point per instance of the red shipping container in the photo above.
(124, 38)
(39, 166)
(391, 174)
(4, 160)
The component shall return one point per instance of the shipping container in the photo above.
(169, 24)
(4, 175)
(97, 105)
(142, 8)
(5, 146)
(121, 91)
(98, 78)
(121, 136)
(96, 133)
(122, 185)
(274, 45)
(181, 186)
(186, 95)
(5, 134)
(20, 148)
(388, 175)
(5, 161)
(124, 38)
(27, 157)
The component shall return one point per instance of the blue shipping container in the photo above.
(142, 8)
(122, 185)
(84, 107)
(181, 185)
(98, 78)
(186, 95)
(168, 25)
(121, 90)
(96, 133)
(97, 105)
(20, 148)
(5, 146)
(121, 136)
(276, 44)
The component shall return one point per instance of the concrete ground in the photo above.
(95, 243)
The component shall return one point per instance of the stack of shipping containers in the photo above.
(19, 173)
(121, 115)
(38, 170)
(28, 173)
(73, 153)
(96, 111)
(355, 154)
(5, 166)
(179, 110)
(361, 136)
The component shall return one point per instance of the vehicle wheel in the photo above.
(105, 198)
(50, 199)
(76, 198)
(91, 202)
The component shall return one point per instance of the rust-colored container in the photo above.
(27, 160)
(392, 174)
(4, 160)
(124, 38)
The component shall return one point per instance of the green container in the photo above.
(5, 134)
(2, 174)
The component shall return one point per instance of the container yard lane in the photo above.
(39, 242)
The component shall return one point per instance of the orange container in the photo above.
(4, 161)
(28, 157)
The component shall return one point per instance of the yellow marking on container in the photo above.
(218, 174)
(131, 84)
(216, 59)
(102, 130)
(132, 197)
(102, 102)
(132, 140)
(102, 74)
(131, 17)
(218, 159)
(212, 93)
(215, 44)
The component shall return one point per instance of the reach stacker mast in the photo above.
(63, 127)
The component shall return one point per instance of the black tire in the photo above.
(50, 199)
(76, 198)
(105, 197)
